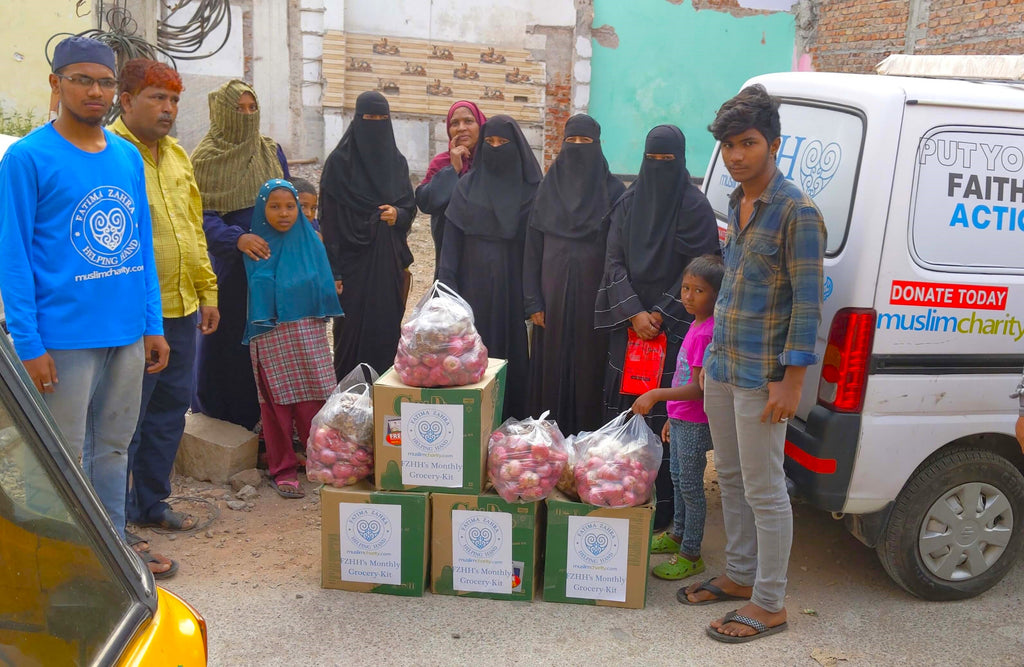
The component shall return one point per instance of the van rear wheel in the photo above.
(957, 527)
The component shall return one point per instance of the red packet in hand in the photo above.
(645, 360)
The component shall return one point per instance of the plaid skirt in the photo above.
(295, 360)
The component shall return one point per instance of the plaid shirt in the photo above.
(187, 280)
(769, 307)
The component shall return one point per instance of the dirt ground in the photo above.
(255, 575)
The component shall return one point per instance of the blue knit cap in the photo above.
(83, 50)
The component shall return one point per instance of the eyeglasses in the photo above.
(87, 82)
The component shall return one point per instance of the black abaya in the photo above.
(369, 256)
(565, 251)
(482, 251)
(655, 229)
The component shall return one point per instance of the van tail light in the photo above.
(844, 370)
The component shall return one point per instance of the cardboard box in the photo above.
(597, 555)
(374, 541)
(435, 439)
(484, 547)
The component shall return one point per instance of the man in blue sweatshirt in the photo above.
(78, 278)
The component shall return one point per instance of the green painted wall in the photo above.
(677, 65)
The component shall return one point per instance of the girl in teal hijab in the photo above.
(291, 295)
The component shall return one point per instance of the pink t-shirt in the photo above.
(691, 355)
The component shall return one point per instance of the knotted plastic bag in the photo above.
(526, 458)
(617, 464)
(340, 447)
(440, 346)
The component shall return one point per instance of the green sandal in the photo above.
(664, 543)
(678, 568)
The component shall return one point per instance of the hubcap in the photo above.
(965, 531)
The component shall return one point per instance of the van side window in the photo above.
(968, 200)
(820, 152)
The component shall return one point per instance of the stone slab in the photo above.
(213, 450)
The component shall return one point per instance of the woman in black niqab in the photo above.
(661, 223)
(564, 262)
(366, 210)
(482, 251)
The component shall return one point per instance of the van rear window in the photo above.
(820, 152)
(968, 206)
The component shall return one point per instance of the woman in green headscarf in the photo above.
(231, 163)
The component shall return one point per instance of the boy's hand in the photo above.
(784, 396)
(43, 372)
(645, 403)
(157, 353)
(254, 246)
(665, 432)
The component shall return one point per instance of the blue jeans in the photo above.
(689, 443)
(96, 405)
(166, 397)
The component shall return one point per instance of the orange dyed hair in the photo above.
(140, 73)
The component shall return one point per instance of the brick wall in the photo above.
(558, 108)
(853, 36)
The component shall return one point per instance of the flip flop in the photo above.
(762, 630)
(288, 488)
(171, 520)
(134, 541)
(720, 595)
(148, 558)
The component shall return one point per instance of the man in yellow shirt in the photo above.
(149, 94)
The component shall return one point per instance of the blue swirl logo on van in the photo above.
(595, 543)
(818, 164)
(480, 537)
(826, 290)
(103, 228)
(368, 529)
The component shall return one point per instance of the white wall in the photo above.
(475, 21)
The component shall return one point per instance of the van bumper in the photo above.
(819, 456)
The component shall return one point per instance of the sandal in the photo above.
(678, 568)
(665, 543)
(139, 544)
(761, 630)
(288, 488)
(153, 559)
(720, 595)
(171, 520)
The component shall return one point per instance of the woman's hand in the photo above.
(665, 432)
(537, 319)
(388, 214)
(457, 155)
(338, 287)
(254, 246)
(644, 325)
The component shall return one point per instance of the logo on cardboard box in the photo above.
(430, 430)
(368, 529)
(595, 542)
(481, 537)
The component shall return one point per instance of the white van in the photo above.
(906, 429)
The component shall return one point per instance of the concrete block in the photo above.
(214, 450)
